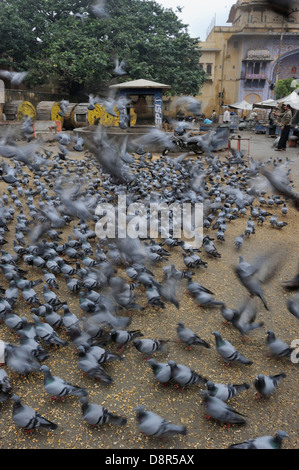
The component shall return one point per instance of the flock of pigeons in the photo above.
(48, 216)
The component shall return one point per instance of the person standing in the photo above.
(226, 116)
(285, 121)
(213, 117)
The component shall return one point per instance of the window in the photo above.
(209, 69)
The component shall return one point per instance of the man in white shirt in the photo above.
(226, 116)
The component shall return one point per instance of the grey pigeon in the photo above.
(292, 283)
(14, 77)
(5, 386)
(244, 318)
(276, 346)
(123, 337)
(47, 334)
(262, 442)
(267, 384)
(101, 354)
(260, 271)
(206, 300)
(188, 336)
(184, 376)
(149, 346)
(18, 359)
(59, 388)
(161, 371)
(225, 392)
(90, 366)
(220, 411)
(151, 424)
(293, 306)
(97, 415)
(27, 418)
(228, 352)
(33, 347)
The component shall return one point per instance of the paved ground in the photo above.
(133, 380)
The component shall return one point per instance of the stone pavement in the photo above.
(261, 148)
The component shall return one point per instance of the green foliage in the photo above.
(48, 39)
(284, 88)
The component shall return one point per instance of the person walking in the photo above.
(285, 120)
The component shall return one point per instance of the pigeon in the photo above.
(89, 365)
(262, 442)
(15, 78)
(280, 185)
(292, 283)
(20, 360)
(253, 275)
(47, 334)
(293, 306)
(188, 337)
(161, 371)
(101, 354)
(119, 68)
(267, 384)
(27, 418)
(33, 347)
(5, 386)
(184, 376)
(220, 411)
(206, 300)
(225, 392)
(276, 346)
(243, 319)
(239, 241)
(123, 337)
(149, 346)
(58, 388)
(151, 424)
(99, 9)
(228, 352)
(97, 415)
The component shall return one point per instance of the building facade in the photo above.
(244, 61)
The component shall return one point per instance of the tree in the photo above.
(64, 40)
(284, 88)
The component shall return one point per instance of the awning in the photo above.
(241, 105)
(292, 100)
(267, 104)
(141, 84)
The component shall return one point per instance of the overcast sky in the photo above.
(199, 14)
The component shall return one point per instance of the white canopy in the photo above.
(242, 105)
(292, 100)
(266, 104)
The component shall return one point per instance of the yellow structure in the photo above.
(19, 110)
(49, 111)
(245, 60)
